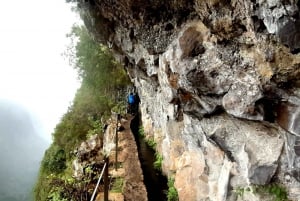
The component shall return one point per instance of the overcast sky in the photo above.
(32, 70)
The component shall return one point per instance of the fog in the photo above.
(21, 151)
(40, 82)
(32, 70)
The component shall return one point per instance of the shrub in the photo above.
(172, 192)
(158, 161)
(141, 131)
(54, 160)
(274, 190)
(151, 143)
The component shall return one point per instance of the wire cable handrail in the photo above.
(95, 190)
(103, 168)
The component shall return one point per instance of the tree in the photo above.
(54, 160)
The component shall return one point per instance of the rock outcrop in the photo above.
(88, 155)
(219, 87)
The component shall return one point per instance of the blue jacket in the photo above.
(131, 99)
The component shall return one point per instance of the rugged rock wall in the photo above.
(219, 83)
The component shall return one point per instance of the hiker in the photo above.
(136, 102)
(131, 103)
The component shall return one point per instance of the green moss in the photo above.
(117, 185)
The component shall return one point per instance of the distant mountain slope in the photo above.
(20, 153)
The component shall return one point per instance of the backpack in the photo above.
(131, 99)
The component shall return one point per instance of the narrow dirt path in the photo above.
(130, 168)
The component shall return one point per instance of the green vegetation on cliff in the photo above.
(102, 78)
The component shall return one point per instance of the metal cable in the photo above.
(94, 193)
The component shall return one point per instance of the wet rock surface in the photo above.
(219, 87)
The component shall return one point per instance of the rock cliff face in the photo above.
(219, 83)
